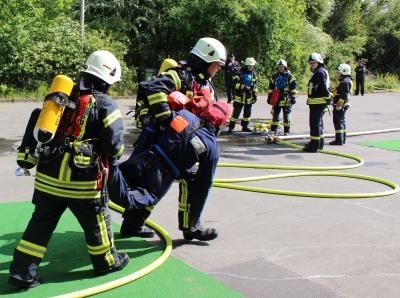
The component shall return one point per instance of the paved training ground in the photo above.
(278, 246)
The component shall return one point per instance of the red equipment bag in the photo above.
(177, 100)
(273, 98)
(201, 100)
(218, 113)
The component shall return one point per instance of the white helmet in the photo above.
(250, 61)
(344, 69)
(210, 50)
(315, 57)
(281, 62)
(103, 65)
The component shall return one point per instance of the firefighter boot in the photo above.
(339, 140)
(231, 126)
(245, 127)
(121, 261)
(133, 224)
(17, 281)
(286, 130)
(199, 232)
(311, 146)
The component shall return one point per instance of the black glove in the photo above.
(254, 99)
(293, 101)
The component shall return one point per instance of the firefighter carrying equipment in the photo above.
(53, 108)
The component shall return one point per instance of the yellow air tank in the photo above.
(167, 63)
(53, 109)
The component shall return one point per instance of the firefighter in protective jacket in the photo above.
(142, 103)
(282, 81)
(245, 83)
(162, 155)
(341, 96)
(318, 99)
(71, 172)
(192, 78)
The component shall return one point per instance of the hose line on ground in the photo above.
(226, 183)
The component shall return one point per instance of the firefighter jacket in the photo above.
(287, 86)
(142, 104)
(231, 68)
(245, 83)
(175, 79)
(342, 91)
(187, 140)
(318, 87)
(69, 166)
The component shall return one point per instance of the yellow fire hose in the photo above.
(226, 183)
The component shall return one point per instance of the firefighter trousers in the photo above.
(359, 86)
(339, 121)
(317, 126)
(286, 110)
(237, 109)
(139, 183)
(94, 219)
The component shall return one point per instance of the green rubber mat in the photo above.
(393, 145)
(66, 266)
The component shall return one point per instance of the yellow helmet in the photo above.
(167, 63)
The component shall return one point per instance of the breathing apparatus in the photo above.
(53, 108)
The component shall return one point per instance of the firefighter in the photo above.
(71, 172)
(191, 77)
(245, 94)
(231, 68)
(318, 99)
(361, 71)
(341, 103)
(163, 155)
(142, 104)
(283, 82)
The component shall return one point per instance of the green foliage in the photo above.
(344, 20)
(41, 38)
(386, 82)
(383, 46)
(317, 11)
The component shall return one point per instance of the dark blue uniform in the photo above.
(159, 158)
(341, 94)
(360, 70)
(246, 83)
(63, 181)
(231, 68)
(287, 85)
(318, 98)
